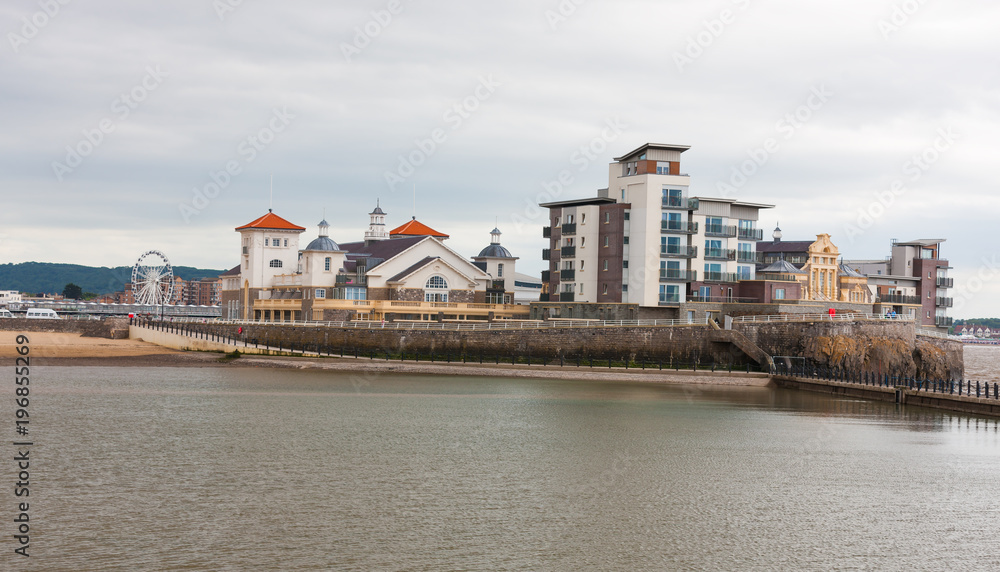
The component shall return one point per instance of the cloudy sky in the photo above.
(135, 126)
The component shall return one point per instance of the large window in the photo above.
(321, 293)
(670, 293)
(275, 263)
(673, 197)
(779, 293)
(432, 289)
(670, 245)
(671, 221)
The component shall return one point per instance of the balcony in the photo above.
(678, 251)
(496, 285)
(566, 275)
(567, 251)
(747, 256)
(671, 275)
(246, 250)
(546, 232)
(942, 302)
(720, 254)
(943, 321)
(897, 299)
(546, 275)
(568, 228)
(546, 254)
(754, 234)
(566, 297)
(350, 280)
(721, 277)
(720, 230)
(544, 297)
(943, 282)
(670, 300)
(680, 203)
(678, 227)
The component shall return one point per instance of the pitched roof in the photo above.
(413, 268)
(784, 246)
(234, 271)
(414, 227)
(271, 221)
(382, 249)
(781, 267)
(848, 271)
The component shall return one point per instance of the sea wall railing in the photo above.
(451, 326)
(804, 369)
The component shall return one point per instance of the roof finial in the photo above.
(270, 203)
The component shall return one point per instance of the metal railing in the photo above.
(568, 274)
(567, 251)
(848, 317)
(568, 228)
(897, 299)
(456, 326)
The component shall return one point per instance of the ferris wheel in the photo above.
(152, 279)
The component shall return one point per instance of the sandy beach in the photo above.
(60, 349)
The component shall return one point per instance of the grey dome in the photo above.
(495, 251)
(323, 243)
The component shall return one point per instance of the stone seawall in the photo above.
(669, 343)
(111, 328)
(875, 346)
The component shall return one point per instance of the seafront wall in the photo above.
(863, 346)
(111, 328)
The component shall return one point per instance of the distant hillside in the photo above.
(36, 277)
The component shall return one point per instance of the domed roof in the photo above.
(495, 251)
(324, 244)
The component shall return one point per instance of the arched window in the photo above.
(275, 263)
(436, 282)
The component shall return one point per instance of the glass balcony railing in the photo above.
(678, 251)
(567, 275)
(566, 296)
(943, 321)
(720, 254)
(546, 232)
(567, 251)
(546, 254)
(669, 299)
(678, 227)
(546, 275)
(671, 275)
(754, 234)
(569, 228)
(943, 302)
(721, 277)
(747, 256)
(897, 299)
(943, 282)
(720, 230)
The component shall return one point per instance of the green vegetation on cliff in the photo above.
(52, 278)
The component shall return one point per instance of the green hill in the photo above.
(51, 278)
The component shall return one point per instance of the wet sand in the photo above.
(73, 350)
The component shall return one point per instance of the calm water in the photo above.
(215, 469)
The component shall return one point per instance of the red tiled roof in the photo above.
(416, 228)
(272, 221)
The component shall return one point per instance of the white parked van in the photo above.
(5, 313)
(42, 314)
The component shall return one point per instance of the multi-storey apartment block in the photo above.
(644, 240)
